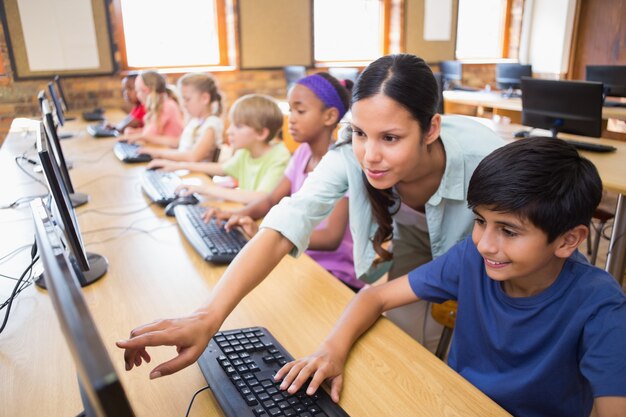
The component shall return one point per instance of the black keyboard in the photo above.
(592, 147)
(101, 131)
(160, 186)
(239, 366)
(211, 241)
(614, 104)
(127, 152)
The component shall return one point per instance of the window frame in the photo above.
(226, 61)
(387, 8)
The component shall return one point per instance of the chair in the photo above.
(293, 73)
(439, 79)
(593, 241)
(216, 154)
(444, 314)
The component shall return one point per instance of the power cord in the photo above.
(22, 200)
(116, 213)
(30, 161)
(22, 283)
(194, 397)
(125, 229)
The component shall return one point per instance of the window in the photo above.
(481, 29)
(159, 34)
(350, 30)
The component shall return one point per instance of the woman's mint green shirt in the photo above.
(466, 143)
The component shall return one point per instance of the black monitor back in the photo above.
(292, 74)
(509, 75)
(101, 390)
(55, 143)
(612, 76)
(562, 106)
(58, 107)
(62, 96)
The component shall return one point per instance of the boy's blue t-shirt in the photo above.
(545, 355)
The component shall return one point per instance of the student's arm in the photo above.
(328, 361)
(192, 333)
(199, 152)
(164, 140)
(329, 238)
(610, 406)
(215, 191)
(255, 209)
(209, 168)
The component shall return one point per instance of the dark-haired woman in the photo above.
(406, 170)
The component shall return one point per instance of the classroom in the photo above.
(313, 208)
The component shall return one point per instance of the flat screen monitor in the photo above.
(451, 72)
(62, 96)
(612, 76)
(562, 106)
(292, 74)
(508, 76)
(91, 265)
(101, 391)
(344, 73)
(54, 144)
(58, 108)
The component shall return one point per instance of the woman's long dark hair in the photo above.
(409, 81)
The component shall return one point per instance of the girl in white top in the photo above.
(203, 132)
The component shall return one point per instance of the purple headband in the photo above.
(325, 91)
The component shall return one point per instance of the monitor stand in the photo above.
(79, 199)
(98, 266)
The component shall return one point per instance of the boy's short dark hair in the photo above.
(541, 179)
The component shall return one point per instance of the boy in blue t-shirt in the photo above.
(539, 330)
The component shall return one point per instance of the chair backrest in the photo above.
(216, 154)
(445, 313)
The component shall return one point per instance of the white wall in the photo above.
(547, 35)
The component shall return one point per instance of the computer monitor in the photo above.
(508, 76)
(562, 106)
(101, 391)
(451, 73)
(292, 74)
(58, 107)
(62, 96)
(54, 144)
(612, 76)
(91, 266)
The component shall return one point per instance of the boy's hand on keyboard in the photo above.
(324, 364)
(163, 165)
(189, 334)
(245, 223)
(220, 215)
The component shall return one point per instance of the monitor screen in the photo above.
(54, 143)
(61, 200)
(509, 75)
(450, 70)
(562, 106)
(612, 76)
(101, 390)
(57, 103)
(57, 82)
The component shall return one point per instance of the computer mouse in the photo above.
(188, 199)
(521, 134)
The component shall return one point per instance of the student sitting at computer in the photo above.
(134, 119)
(317, 104)
(163, 122)
(202, 136)
(406, 169)
(257, 164)
(539, 330)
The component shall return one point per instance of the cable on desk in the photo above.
(20, 285)
(98, 159)
(22, 200)
(124, 230)
(30, 161)
(124, 177)
(14, 252)
(116, 213)
(194, 397)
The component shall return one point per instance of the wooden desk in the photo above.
(495, 101)
(612, 169)
(158, 274)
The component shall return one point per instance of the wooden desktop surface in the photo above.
(496, 101)
(157, 274)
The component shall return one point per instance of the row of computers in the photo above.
(68, 266)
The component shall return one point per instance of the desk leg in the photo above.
(616, 259)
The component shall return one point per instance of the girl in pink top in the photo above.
(316, 105)
(163, 122)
